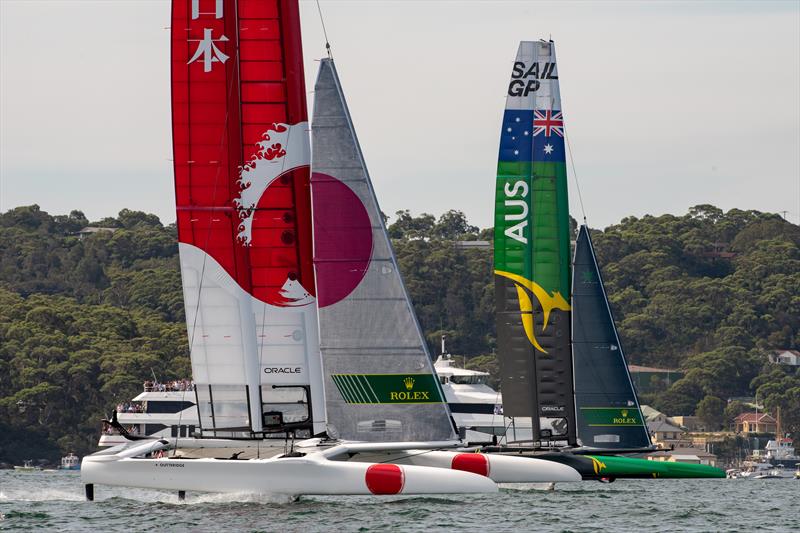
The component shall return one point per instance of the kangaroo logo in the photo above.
(547, 301)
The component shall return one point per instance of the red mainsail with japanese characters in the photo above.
(241, 156)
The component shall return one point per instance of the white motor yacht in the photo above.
(165, 411)
(476, 406)
(162, 410)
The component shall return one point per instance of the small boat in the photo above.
(772, 473)
(27, 466)
(733, 473)
(70, 462)
(760, 471)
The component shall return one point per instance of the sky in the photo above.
(667, 104)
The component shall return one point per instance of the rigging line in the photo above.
(324, 32)
(575, 176)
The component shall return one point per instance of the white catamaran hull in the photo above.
(498, 468)
(312, 474)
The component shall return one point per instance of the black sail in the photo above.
(608, 413)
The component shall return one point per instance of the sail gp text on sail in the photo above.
(525, 78)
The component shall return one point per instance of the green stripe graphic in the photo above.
(387, 388)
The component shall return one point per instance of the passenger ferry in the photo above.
(162, 410)
(70, 462)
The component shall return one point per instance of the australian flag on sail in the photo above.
(530, 135)
(515, 139)
(548, 136)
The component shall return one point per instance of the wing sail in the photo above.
(531, 250)
(241, 158)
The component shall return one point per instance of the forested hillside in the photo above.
(86, 317)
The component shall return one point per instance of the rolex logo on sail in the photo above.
(409, 394)
(387, 388)
(547, 301)
(624, 419)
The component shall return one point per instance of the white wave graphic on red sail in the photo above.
(285, 147)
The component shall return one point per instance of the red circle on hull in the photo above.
(477, 463)
(384, 479)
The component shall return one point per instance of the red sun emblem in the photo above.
(342, 238)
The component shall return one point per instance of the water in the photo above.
(54, 501)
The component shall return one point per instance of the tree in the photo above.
(711, 411)
(681, 398)
(732, 410)
(409, 227)
(453, 225)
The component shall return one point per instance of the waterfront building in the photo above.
(755, 423)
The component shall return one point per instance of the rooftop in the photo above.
(756, 417)
(96, 229)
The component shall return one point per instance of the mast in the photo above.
(531, 250)
(380, 382)
(241, 161)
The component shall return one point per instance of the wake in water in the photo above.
(41, 495)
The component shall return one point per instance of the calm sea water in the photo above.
(53, 501)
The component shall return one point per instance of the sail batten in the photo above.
(380, 383)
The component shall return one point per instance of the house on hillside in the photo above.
(785, 357)
(664, 432)
(473, 245)
(691, 423)
(91, 230)
(755, 423)
(687, 454)
(667, 435)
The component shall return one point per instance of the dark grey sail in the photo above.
(379, 380)
(608, 413)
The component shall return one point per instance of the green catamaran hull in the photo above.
(610, 467)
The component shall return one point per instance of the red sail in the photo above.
(237, 83)
(241, 149)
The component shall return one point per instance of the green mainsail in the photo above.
(532, 249)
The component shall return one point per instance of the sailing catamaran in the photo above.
(263, 312)
(561, 360)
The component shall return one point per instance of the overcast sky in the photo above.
(667, 105)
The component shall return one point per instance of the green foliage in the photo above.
(709, 293)
(711, 410)
(85, 317)
(84, 320)
(732, 410)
